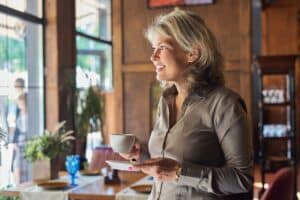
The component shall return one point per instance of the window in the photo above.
(94, 60)
(94, 64)
(32, 7)
(94, 46)
(21, 84)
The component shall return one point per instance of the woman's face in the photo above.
(169, 59)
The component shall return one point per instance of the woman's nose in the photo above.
(154, 55)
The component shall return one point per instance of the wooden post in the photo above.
(60, 51)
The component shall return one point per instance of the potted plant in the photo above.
(90, 109)
(50, 146)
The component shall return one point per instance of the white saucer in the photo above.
(120, 165)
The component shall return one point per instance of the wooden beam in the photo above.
(117, 64)
(51, 65)
(60, 62)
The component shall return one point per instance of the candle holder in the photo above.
(112, 178)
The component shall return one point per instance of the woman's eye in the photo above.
(162, 47)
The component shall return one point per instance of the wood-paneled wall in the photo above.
(280, 31)
(281, 36)
(229, 20)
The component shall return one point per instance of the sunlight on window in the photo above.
(21, 89)
(16, 4)
(33, 7)
(94, 62)
(93, 17)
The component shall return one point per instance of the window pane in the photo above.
(94, 64)
(21, 93)
(93, 17)
(33, 7)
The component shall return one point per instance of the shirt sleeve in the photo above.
(236, 175)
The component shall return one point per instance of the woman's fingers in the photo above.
(136, 147)
(144, 165)
(162, 169)
(152, 171)
(149, 163)
(125, 155)
(163, 164)
(157, 174)
(134, 155)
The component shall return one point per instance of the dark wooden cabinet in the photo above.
(274, 116)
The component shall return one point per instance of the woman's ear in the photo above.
(193, 56)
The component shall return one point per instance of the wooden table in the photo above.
(96, 190)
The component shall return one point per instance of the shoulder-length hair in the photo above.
(191, 33)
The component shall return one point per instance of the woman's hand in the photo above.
(135, 153)
(162, 169)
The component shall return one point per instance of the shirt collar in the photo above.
(196, 94)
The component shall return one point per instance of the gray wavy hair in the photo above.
(191, 33)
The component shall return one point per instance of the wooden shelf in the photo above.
(278, 159)
(266, 67)
(273, 163)
(283, 104)
(278, 138)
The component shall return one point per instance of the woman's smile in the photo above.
(159, 67)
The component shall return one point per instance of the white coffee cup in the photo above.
(122, 143)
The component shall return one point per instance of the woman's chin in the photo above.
(159, 78)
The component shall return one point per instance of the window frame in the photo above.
(40, 21)
(95, 39)
(35, 20)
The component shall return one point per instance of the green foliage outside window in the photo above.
(9, 198)
(91, 105)
(15, 55)
(95, 57)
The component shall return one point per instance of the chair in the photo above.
(100, 155)
(282, 186)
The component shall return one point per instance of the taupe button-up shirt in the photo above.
(211, 140)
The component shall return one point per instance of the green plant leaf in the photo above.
(58, 128)
(50, 144)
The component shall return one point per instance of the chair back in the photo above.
(282, 186)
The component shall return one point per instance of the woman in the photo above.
(200, 147)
